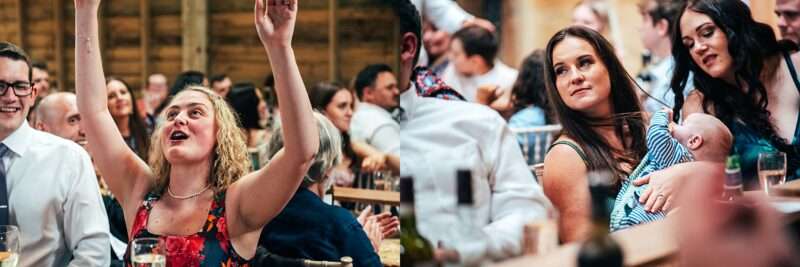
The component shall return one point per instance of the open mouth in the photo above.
(9, 109)
(178, 136)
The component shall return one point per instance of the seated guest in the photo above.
(372, 121)
(337, 103)
(309, 228)
(603, 129)
(155, 93)
(473, 63)
(529, 104)
(126, 116)
(47, 182)
(221, 84)
(58, 115)
(744, 76)
(249, 105)
(701, 137)
(467, 134)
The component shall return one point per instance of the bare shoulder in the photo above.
(562, 164)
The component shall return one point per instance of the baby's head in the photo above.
(705, 136)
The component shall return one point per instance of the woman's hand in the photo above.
(275, 21)
(659, 195)
(373, 163)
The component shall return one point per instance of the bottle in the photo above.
(733, 179)
(600, 250)
(415, 250)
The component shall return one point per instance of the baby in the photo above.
(701, 137)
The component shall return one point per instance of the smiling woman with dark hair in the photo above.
(744, 76)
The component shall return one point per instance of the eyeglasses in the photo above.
(20, 88)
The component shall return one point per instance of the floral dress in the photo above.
(209, 247)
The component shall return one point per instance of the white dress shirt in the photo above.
(500, 75)
(55, 201)
(374, 125)
(659, 86)
(438, 136)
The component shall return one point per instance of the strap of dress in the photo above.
(574, 147)
(793, 72)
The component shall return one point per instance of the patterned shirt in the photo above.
(662, 151)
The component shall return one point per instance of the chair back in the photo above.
(534, 141)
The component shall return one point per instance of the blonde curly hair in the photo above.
(230, 158)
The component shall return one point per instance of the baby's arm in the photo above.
(664, 150)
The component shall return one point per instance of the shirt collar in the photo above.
(408, 101)
(19, 140)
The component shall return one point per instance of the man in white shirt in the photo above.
(52, 189)
(473, 63)
(372, 123)
(657, 19)
(439, 136)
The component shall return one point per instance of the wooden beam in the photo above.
(144, 38)
(58, 31)
(194, 19)
(20, 23)
(333, 41)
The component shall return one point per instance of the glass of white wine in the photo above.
(148, 252)
(9, 245)
(771, 169)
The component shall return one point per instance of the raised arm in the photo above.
(127, 175)
(665, 150)
(259, 196)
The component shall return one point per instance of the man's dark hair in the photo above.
(217, 78)
(11, 51)
(662, 9)
(478, 41)
(40, 65)
(367, 76)
(410, 22)
(186, 78)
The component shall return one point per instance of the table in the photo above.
(651, 244)
(390, 252)
(366, 196)
(791, 189)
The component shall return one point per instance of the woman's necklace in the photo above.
(173, 195)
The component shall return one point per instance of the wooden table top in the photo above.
(641, 245)
(790, 189)
(366, 196)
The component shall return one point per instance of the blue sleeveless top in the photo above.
(747, 143)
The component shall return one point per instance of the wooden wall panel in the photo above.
(365, 36)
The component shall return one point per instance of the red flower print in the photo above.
(184, 251)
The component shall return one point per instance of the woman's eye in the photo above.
(560, 71)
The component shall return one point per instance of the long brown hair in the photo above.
(627, 118)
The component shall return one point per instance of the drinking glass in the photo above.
(771, 169)
(148, 252)
(9, 245)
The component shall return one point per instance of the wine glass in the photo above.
(771, 169)
(9, 245)
(148, 252)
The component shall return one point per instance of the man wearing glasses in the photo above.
(48, 187)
